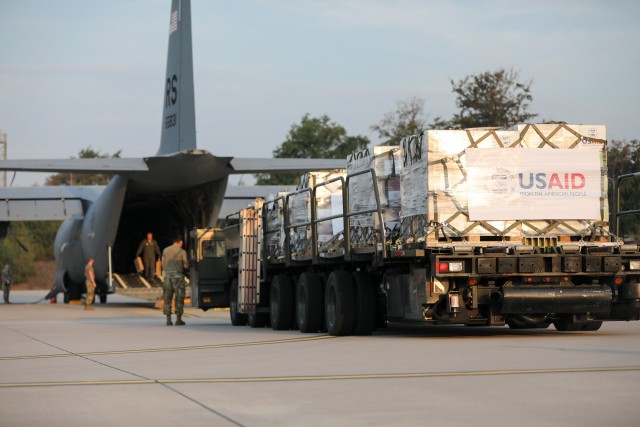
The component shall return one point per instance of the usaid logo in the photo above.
(559, 181)
(501, 183)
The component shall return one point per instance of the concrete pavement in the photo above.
(60, 365)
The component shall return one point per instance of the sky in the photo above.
(82, 73)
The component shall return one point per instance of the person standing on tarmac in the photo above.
(6, 283)
(90, 282)
(150, 253)
(174, 262)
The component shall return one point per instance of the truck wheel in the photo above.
(237, 319)
(310, 302)
(339, 304)
(566, 323)
(524, 321)
(365, 303)
(257, 320)
(592, 326)
(281, 302)
(103, 298)
(66, 297)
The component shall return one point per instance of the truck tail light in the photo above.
(450, 267)
(456, 267)
(442, 267)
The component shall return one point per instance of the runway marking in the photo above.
(326, 377)
(160, 350)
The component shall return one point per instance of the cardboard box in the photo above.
(500, 184)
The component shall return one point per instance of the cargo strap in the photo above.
(412, 154)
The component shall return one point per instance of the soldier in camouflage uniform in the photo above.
(174, 262)
(6, 283)
(150, 251)
(90, 282)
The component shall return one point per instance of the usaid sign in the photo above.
(533, 183)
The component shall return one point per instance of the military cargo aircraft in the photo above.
(179, 188)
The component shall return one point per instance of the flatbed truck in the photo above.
(573, 279)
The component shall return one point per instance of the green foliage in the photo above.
(313, 138)
(623, 158)
(407, 119)
(12, 253)
(43, 234)
(83, 178)
(493, 98)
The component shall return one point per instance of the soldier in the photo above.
(150, 253)
(6, 283)
(90, 282)
(174, 262)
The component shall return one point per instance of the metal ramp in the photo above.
(136, 286)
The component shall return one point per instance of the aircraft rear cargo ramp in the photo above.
(136, 286)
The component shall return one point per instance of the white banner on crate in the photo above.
(530, 183)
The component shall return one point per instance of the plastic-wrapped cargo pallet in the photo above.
(274, 230)
(494, 185)
(386, 162)
(328, 203)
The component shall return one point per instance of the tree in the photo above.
(624, 157)
(83, 178)
(15, 250)
(492, 98)
(42, 234)
(407, 119)
(313, 137)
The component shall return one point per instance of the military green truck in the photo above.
(478, 227)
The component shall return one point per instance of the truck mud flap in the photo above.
(553, 299)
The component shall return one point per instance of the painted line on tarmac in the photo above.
(326, 377)
(161, 350)
(401, 376)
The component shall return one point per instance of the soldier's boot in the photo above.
(169, 322)
(179, 321)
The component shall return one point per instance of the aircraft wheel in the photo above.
(365, 303)
(339, 303)
(281, 302)
(309, 302)
(237, 319)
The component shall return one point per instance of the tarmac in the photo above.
(121, 365)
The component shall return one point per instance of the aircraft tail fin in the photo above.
(179, 118)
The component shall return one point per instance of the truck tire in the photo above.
(309, 302)
(103, 298)
(281, 302)
(365, 303)
(257, 320)
(339, 304)
(566, 324)
(237, 319)
(525, 321)
(592, 326)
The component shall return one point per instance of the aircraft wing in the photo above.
(241, 196)
(255, 165)
(129, 165)
(107, 166)
(53, 203)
